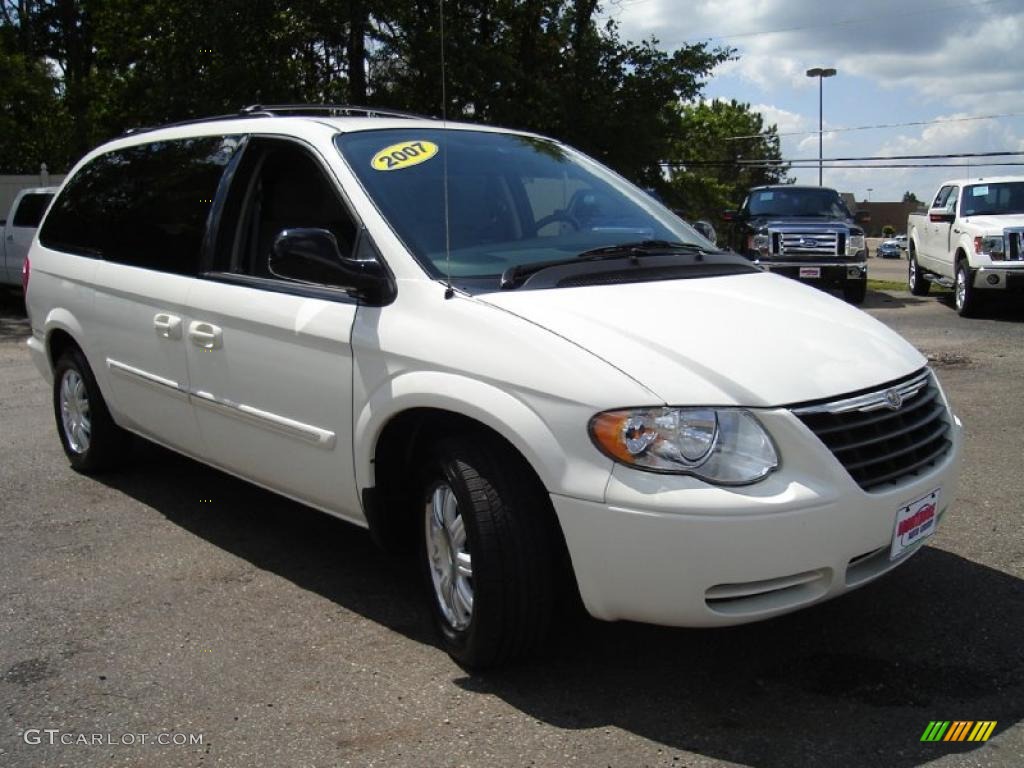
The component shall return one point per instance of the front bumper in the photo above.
(830, 274)
(999, 278)
(674, 551)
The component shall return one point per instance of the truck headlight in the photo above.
(761, 244)
(854, 245)
(724, 446)
(991, 246)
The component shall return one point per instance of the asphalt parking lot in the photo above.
(169, 598)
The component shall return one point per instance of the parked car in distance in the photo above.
(971, 240)
(513, 365)
(806, 233)
(18, 230)
(902, 241)
(889, 249)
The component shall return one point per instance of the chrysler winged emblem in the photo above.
(893, 400)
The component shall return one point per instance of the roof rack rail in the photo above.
(287, 110)
(326, 110)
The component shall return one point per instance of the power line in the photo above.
(937, 121)
(767, 161)
(857, 167)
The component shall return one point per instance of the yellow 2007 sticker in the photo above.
(403, 155)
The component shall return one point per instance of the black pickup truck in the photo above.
(806, 233)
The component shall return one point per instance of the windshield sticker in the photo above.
(762, 196)
(403, 155)
(979, 191)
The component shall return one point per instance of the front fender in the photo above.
(576, 469)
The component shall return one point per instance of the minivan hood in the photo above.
(756, 340)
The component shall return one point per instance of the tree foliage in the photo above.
(707, 132)
(77, 72)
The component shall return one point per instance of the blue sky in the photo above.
(897, 62)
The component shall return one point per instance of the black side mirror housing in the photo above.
(312, 255)
(730, 215)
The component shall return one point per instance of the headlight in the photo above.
(725, 446)
(991, 246)
(854, 245)
(760, 243)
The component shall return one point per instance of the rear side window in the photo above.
(146, 206)
(31, 209)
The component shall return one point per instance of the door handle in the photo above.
(205, 335)
(10, 238)
(167, 326)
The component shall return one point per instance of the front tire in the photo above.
(915, 277)
(487, 550)
(965, 296)
(89, 436)
(854, 291)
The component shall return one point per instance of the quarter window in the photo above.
(145, 206)
(31, 209)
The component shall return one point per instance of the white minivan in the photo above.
(489, 349)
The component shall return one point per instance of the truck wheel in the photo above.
(915, 278)
(487, 551)
(965, 296)
(854, 291)
(91, 439)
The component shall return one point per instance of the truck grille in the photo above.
(886, 435)
(808, 243)
(1014, 244)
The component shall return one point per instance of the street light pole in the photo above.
(821, 73)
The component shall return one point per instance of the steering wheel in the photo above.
(552, 218)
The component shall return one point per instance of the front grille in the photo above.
(810, 243)
(877, 443)
(1014, 244)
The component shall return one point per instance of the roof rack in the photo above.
(287, 110)
(326, 110)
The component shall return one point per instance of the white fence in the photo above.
(11, 185)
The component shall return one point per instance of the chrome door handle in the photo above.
(167, 326)
(205, 335)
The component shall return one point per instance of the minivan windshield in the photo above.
(512, 200)
(797, 201)
(993, 199)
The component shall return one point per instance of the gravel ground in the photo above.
(172, 599)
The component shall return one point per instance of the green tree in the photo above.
(910, 197)
(716, 178)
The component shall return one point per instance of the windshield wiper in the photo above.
(514, 276)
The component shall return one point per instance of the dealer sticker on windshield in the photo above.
(403, 155)
(915, 522)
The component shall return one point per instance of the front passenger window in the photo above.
(280, 186)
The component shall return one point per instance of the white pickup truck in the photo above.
(19, 228)
(971, 240)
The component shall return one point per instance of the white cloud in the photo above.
(937, 50)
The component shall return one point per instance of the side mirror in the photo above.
(862, 217)
(312, 255)
(942, 216)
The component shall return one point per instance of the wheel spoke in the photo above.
(457, 533)
(451, 506)
(464, 597)
(437, 506)
(464, 564)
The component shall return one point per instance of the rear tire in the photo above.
(488, 551)
(90, 438)
(916, 282)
